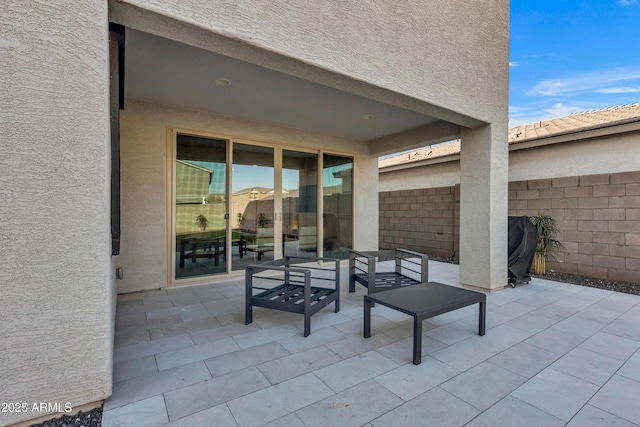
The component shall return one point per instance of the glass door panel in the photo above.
(337, 203)
(299, 203)
(201, 205)
(252, 205)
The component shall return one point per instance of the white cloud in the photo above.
(592, 81)
(619, 90)
(561, 110)
(513, 64)
(624, 3)
(524, 116)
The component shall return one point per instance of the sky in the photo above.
(569, 56)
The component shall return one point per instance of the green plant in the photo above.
(262, 219)
(546, 244)
(202, 222)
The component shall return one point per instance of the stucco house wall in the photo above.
(57, 293)
(399, 55)
(590, 185)
(444, 59)
(290, 39)
(144, 167)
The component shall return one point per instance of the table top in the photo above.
(427, 297)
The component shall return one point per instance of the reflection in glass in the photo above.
(337, 213)
(299, 200)
(201, 190)
(252, 204)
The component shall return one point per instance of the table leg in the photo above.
(483, 317)
(417, 340)
(182, 248)
(194, 248)
(367, 317)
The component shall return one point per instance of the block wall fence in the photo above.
(598, 217)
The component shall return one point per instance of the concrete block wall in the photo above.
(425, 220)
(598, 217)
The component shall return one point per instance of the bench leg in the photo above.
(248, 313)
(307, 324)
(417, 340)
(367, 317)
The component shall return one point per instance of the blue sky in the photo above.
(569, 56)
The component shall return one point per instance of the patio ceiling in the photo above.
(168, 72)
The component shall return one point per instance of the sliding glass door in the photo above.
(200, 206)
(337, 205)
(252, 205)
(299, 203)
(238, 203)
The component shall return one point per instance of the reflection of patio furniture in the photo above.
(262, 242)
(293, 291)
(212, 248)
(331, 231)
(410, 268)
(423, 301)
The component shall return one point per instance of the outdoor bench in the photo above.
(410, 268)
(281, 286)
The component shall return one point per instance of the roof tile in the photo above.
(545, 128)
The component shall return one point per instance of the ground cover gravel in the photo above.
(91, 418)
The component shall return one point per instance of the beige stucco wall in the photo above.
(610, 154)
(56, 284)
(447, 59)
(144, 165)
(437, 52)
(607, 154)
(436, 175)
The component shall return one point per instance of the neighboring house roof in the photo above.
(573, 123)
(253, 189)
(576, 122)
(187, 163)
(439, 150)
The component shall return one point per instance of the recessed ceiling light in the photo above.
(223, 82)
(367, 116)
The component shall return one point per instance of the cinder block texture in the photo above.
(598, 217)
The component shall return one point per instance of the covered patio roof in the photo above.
(210, 73)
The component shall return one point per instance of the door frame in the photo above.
(171, 138)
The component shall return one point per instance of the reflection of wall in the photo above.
(241, 200)
(186, 218)
(192, 183)
(257, 210)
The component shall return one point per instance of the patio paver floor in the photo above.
(554, 354)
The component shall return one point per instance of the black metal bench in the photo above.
(410, 268)
(293, 291)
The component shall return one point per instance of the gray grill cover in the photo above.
(522, 248)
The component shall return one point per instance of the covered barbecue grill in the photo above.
(522, 248)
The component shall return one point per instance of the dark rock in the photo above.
(92, 418)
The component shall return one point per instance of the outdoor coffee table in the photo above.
(423, 301)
